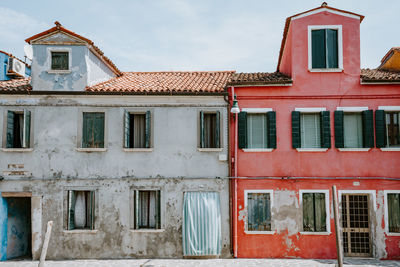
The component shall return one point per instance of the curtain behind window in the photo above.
(257, 131)
(310, 131)
(139, 130)
(353, 136)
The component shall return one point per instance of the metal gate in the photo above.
(356, 225)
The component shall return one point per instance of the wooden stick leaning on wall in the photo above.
(45, 244)
(339, 246)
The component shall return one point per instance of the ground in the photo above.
(216, 262)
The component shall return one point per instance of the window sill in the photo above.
(325, 70)
(210, 149)
(392, 234)
(257, 149)
(315, 233)
(312, 149)
(361, 149)
(59, 71)
(147, 231)
(80, 231)
(259, 232)
(138, 149)
(88, 150)
(390, 149)
(19, 150)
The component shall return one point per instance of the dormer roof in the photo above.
(322, 8)
(43, 37)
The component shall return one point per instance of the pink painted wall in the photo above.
(310, 89)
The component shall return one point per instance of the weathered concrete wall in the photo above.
(18, 227)
(57, 121)
(113, 236)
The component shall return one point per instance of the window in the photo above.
(81, 209)
(59, 60)
(311, 130)
(393, 203)
(18, 129)
(387, 128)
(314, 212)
(354, 129)
(137, 130)
(93, 130)
(147, 209)
(325, 47)
(210, 129)
(257, 130)
(258, 211)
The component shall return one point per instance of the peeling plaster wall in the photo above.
(113, 237)
(55, 165)
(96, 70)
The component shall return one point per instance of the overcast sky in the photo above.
(162, 35)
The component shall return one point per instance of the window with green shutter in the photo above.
(81, 210)
(18, 129)
(93, 130)
(257, 130)
(393, 205)
(137, 128)
(314, 212)
(147, 213)
(210, 125)
(258, 211)
(353, 130)
(324, 49)
(310, 130)
(392, 122)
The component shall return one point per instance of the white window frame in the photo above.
(139, 111)
(353, 110)
(327, 210)
(389, 109)
(385, 193)
(372, 193)
(271, 198)
(49, 58)
(340, 47)
(257, 111)
(311, 110)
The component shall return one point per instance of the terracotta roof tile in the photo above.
(260, 78)
(376, 75)
(59, 28)
(16, 85)
(166, 82)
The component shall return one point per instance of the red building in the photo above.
(318, 121)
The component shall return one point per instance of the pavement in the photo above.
(201, 263)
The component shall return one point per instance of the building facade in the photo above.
(318, 121)
(127, 165)
(12, 67)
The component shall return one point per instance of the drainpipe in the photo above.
(235, 221)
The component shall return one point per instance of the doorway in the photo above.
(356, 225)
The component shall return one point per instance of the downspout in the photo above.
(235, 237)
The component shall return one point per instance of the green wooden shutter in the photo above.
(10, 129)
(91, 210)
(339, 133)
(202, 129)
(368, 128)
(87, 124)
(158, 209)
(380, 128)
(242, 129)
(394, 212)
(319, 212)
(71, 210)
(308, 212)
(136, 204)
(148, 129)
(325, 129)
(127, 121)
(99, 130)
(318, 49)
(332, 48)
(271, 129)
(218, 130)
(296, 135)
(27, 129)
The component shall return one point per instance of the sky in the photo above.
(189, 35)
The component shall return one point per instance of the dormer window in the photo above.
(325, 48)
(59, 61)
